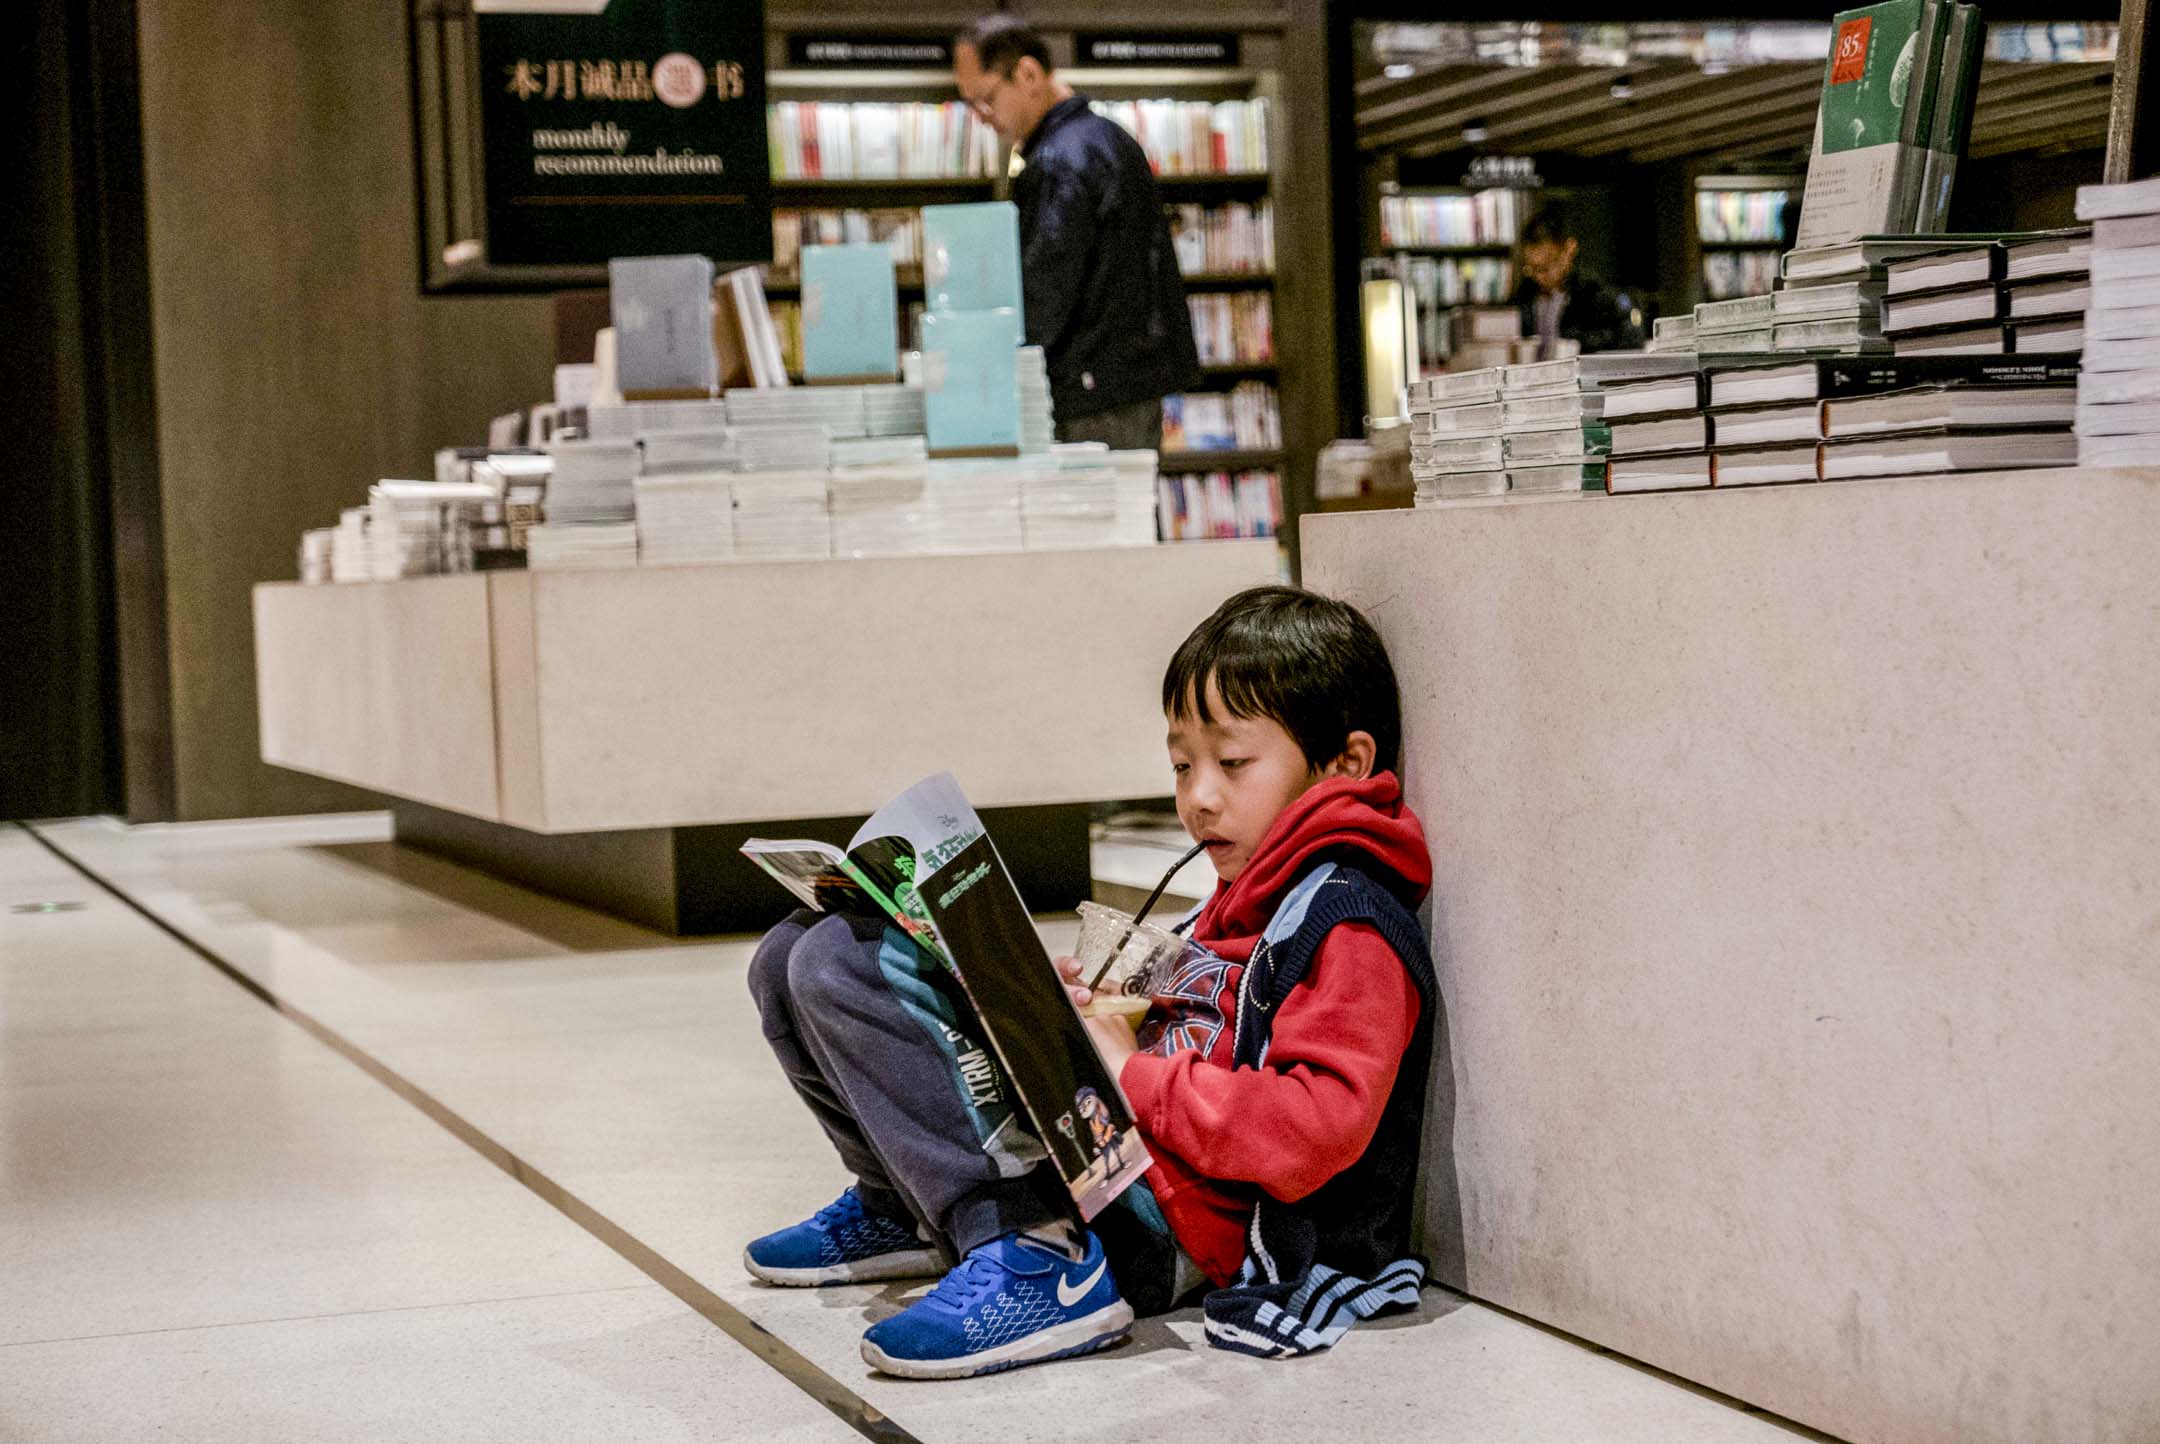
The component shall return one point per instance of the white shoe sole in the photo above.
(914, 1263)
(1078, 1336)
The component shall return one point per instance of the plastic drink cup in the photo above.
(1121, 961)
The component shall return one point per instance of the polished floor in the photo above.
(305, 1136)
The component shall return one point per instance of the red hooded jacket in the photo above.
(1221, 1136)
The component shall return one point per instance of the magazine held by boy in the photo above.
(926, 863)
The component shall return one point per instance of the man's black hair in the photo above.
(1309, 662)
(1548, 227)
(1001, 42)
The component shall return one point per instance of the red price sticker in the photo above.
(1849, 60)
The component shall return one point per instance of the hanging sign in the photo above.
(1154, 48)
(848, 52)
(624, 128)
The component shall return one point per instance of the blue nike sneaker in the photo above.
(842, 1243)
(1011, 1301)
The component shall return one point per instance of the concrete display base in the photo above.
(695, 880)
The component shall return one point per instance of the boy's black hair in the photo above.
(1001, 42)
(1309, 662)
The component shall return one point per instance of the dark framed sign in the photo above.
(855, 52)
(622, 128)
(1124, 47)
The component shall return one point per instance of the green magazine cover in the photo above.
(1863, 177)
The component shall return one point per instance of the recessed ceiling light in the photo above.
(1474, 132)
(1623, 89)
(1399, 71)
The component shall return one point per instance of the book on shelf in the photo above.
(1724, 215)
(850, 312)
(2050, 255)
(1947, 406)
(1763, 465)
(2125, 263)
(661, 309)
(1219, 505)
(1232, 239)
(1477, 218)
(1196, 137)
(1233, 328)
(1945, 125)
(879, 140)
(2112, 388)
(2139, 198)
(2034, 300)
(1930, 453)
(926, 865)
(898, 230)
(2063, 335)
(1953, 268)
(1244, 418)
(971, 257)
(1729, 274)
(1840, 298)
(1852, 333)
(1671, 471)
(1855, 259)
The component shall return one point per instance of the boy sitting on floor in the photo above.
(1279, 1081)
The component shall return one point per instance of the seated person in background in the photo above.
(1559, 302)
(1279, 1081)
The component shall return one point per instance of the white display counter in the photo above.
(663, 698)
(1798, 921)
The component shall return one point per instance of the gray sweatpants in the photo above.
(879, 1044)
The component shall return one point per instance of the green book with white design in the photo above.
(1864, 175)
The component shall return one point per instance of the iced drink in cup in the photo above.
(1122, 962)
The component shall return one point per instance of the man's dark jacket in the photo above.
(1104, 299)
(1593, 315)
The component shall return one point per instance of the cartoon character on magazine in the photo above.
(1101, 1130)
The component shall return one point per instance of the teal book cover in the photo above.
(971, 256)
(971, 378)
(850, 311)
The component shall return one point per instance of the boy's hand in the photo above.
(1069, 970)
(1112, 1034)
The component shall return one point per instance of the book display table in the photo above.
(611, 735)
(1798, 927)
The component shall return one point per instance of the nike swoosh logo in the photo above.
(1068, 1295)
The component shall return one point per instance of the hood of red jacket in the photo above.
(1357, 815)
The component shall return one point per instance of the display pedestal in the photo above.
(694, 880)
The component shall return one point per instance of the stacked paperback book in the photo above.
(685, 494)
(1531, 428)
(1842, 417)
(591, 506)
(1217, 505)
(1244, 418)
(2118, 414)
(1990, 296)
(782, 516)
(1742, 326)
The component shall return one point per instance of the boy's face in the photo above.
(1235, 775)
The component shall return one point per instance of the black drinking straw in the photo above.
(1152, 898)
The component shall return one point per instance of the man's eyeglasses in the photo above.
(980, 102)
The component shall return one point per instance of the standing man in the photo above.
(1559, 302)
(1104, 298)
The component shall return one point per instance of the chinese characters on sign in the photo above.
(639, 130)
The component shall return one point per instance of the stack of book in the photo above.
(2118, 418)
(316, 551)
(1833, 419)
(1660, 436)
(878, 510)
(1138, 475)
(1843, 317)
(1673, 334)
(900, 231)
(1481, 337)
(1069, 498)
(1742, 326)
(895, 410)
(1480, 218)
(1455, 435)
(350, 559)
(782, 516)
(553, 547)
(591, 483)
(685, 497)
(1553, 435)
(1038, 422)
(973, 506)
(1990, 296)
(631, 420)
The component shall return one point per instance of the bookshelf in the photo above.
(1222, 218)
(1739, 232)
